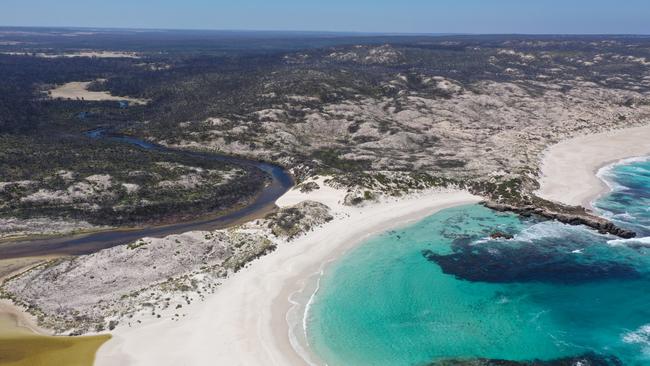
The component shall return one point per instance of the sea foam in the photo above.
(641, 337)
(643, 241)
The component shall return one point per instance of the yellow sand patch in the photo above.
(45, 351)
(79, 90)
(21, 347)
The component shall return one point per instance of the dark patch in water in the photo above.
(451, 235)
(589, 359)
(502, 263)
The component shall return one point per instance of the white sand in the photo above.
(99, 54)
(79, 90)
(244, 322)
(92, 54)
(569, 168)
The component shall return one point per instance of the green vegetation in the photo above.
(332, 161)
(137, 244)
(111, 183)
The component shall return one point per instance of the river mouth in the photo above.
(280, 181)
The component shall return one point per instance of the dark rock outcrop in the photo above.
(565, 214)
(501, 235)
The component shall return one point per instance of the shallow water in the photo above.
(21, 347)
(441, 289)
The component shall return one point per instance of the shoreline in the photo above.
(570, 169)
(305, 285)
(602, 172)
(19, 320)
(245, 322)
(13, 316)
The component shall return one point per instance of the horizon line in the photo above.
(323, 32)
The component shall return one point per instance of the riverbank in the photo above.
(91, 241)
(244, 322)
(569, 169)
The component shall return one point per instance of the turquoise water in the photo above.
(442, 290)
(629, 202)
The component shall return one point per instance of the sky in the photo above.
(383, 16)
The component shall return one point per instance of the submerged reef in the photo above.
(502, 262)
(589, 359)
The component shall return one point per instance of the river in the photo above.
(280, 182)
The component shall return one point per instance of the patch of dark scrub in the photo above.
(451, 163)
(529, 263)
(589, 359)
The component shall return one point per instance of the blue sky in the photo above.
(405, 16)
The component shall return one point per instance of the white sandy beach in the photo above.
(569, 169)
(244, 322)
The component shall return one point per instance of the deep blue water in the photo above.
(443, 290)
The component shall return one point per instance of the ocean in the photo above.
(442, 291)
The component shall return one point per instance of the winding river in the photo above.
(280, 182)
